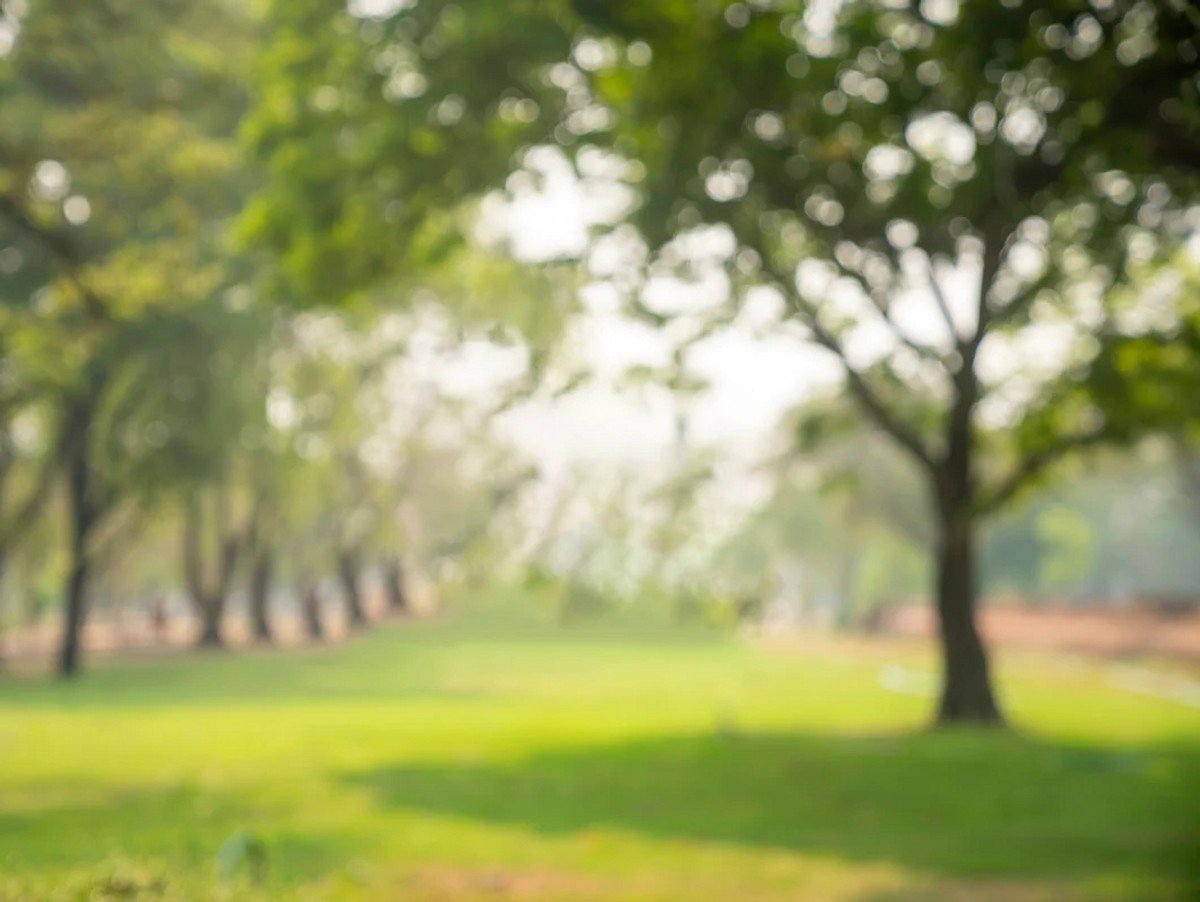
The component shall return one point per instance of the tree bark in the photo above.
(966, 695)
(394, 584)
(260, 597)
(351, 593)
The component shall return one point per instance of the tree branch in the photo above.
(943, 305)
(867, 397)
(61, 247)
(870, 400)
(1033, 465)
(926, 352)
(922, 350)
(993, 257)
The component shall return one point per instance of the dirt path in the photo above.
(1107, 632)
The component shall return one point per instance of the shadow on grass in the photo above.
(955, 804)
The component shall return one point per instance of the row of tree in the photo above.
(980, 211)
(169, 416)
(1027, 176)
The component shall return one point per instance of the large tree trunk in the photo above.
(260, 597)
(310, 606)
(967, 695)
(351, 593)
(394, 584)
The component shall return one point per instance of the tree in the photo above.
(28, 462)
(209, 573)
(370, 159)
(262, 573)
(1148, 377)
(218, 448)
(118, 171)
(924, 189)
(868, 159)
(28, 458)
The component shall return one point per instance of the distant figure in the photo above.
(158, 619)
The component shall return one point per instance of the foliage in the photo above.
(1146, 382)
(377, 129)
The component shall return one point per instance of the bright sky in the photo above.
(757, 366)
(754, 370)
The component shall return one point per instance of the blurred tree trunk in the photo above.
(212, 609)
(83, 515)
(310, 607)
(209, 595)
(3, 621)
(966, 678)
(967, 689)
(394, 585)
(260, 595)
(347, 563)
(75, 602)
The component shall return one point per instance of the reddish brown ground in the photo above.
(1120, 631)
(32, 648)
(1126, 631)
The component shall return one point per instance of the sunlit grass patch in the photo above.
(458, 760)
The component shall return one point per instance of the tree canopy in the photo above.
(925, 188)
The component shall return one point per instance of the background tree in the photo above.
(203, 412)
(923, 188)
(118, 172)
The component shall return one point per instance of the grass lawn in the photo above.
(449, 760)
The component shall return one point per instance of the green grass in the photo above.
(453, 760)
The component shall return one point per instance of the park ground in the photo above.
(465, 759)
